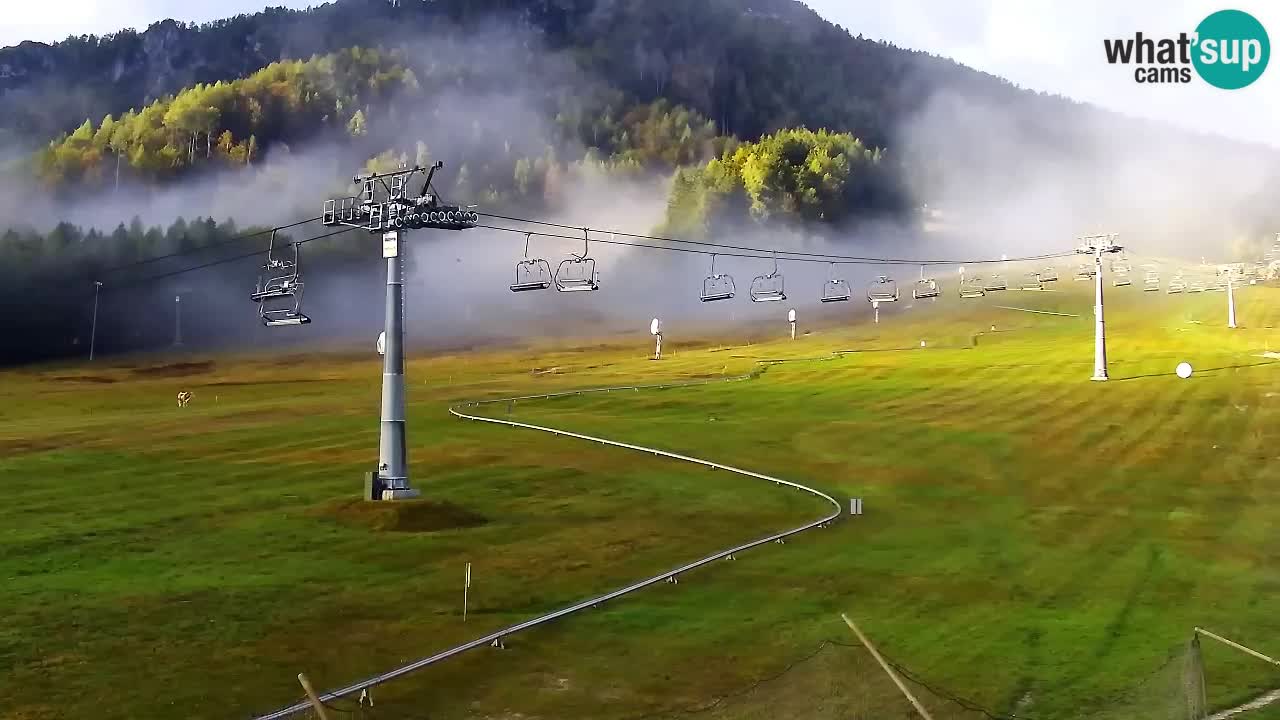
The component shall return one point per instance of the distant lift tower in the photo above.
(1096, 245)
(386, 207)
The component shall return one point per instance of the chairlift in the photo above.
(972, 287)
(770, 287)
(279, 288)
(1084, 272)
(1049, 274)
(1195, 286)
(1121, 263)
(578, 273)
(1151, 281)
(280, 275)
(835, 289)
(531, 274)
(1032, 281)
(1120, 279)
(882, 290)
(995, 283)
(717, 286)
(925, 287)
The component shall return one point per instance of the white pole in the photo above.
(1100, 332)
(887, 669)
(793, 329)
(657, 347)
(1231, 303)
(312, 697)
(93, 332)
(466, 588)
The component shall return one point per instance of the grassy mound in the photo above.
(408, 516)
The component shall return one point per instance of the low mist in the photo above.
(1030, 177)
(1022, 178)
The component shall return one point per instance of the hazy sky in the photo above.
(53, 20)
(1042, 44)
(1056, 46)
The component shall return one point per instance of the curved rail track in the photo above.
(496, 637)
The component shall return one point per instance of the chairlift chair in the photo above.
(279, 288)
(717, 286)
(1151, 281)
(925, 287)
(1032, 281)
(1084, 272)
(972, 287)
(1048, 275)
(277, 314)
(835, 289)
(770, 287)
(531, 273)
(882, 290)
(995, 283)
(1120, 279)
(578, 273)
(280, 276)
(1195, 286)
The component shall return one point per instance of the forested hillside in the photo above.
(750, 67)
(624, 87)
(374, 108)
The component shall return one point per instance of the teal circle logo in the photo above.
(1232, 49)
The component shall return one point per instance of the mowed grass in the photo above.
(1033, 541)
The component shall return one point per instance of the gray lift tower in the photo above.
(387, 207)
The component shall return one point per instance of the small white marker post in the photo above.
(466, 588)
(1231, 302)
(655, 329)
(875, 305)
(791, 318)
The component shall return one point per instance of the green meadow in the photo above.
(1036, 543)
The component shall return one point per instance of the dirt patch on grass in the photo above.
(102, 379)
(403, 516)
(266, 381)
(178, 369)
(27, 445)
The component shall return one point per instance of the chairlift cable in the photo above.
(762, 254)
(202, 248)
(222, 261)
(796, 254)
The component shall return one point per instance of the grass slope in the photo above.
(1036, 541)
